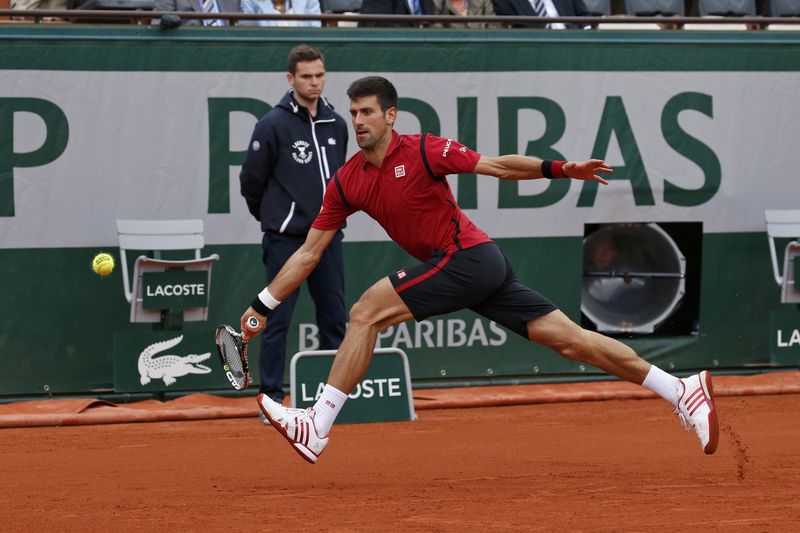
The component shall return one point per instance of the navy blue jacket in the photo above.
(290, 160)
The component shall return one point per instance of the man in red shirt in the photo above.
(399, 180)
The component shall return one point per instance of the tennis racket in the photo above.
(233, 353)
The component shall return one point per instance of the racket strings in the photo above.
(232, 348)
(233, 353)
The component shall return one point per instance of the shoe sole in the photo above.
(713, 423)
(301, 450)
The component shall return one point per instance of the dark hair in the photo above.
(374, 86)
(302, 53)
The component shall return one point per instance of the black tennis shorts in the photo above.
(479, 278)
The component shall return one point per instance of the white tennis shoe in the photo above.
(296, 425)
(696, 410)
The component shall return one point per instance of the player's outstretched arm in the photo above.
(293, 273)
(520, 167)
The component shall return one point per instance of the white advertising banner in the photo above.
(138, 145)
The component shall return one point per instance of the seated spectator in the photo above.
(463, 8)
(39, 4)
(199, 6)
(537, 8)
(395, 7)
(283, 7)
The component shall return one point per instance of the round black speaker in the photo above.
(634, 277)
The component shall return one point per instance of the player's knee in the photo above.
(584, 347)
(571, 350)
(559, 333)
(575, 346)
(363, 314)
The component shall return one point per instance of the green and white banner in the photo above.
(168, 145)
(382, 395)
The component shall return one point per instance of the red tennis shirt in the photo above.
(409, 195)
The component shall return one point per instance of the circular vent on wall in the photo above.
(633, 277)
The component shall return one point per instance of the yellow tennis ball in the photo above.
(103, 264)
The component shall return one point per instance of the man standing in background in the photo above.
(294, 151)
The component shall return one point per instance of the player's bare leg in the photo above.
(307, 429)
(692, 397)
(377, 309)
(570, 340)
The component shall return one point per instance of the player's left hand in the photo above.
(587, 170)
(251, 324)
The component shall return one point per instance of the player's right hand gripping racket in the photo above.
(233, 354)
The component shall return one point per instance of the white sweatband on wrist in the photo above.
(268, 299)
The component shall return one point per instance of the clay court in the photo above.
(618, 465)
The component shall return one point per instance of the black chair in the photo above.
(650, 8)
(593, 8)
(341, 6)
(782, 8)
(727, 8)
(111, 5)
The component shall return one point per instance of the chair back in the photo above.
(154, 237)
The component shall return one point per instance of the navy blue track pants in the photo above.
(326, 287)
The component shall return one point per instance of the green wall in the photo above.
(59, 317)
(256, 50)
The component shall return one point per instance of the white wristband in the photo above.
(268, 299)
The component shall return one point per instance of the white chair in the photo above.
(784, 224)
(708, 26)
(155, 236)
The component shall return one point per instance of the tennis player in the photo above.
(399, 180)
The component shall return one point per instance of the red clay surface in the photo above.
(620, 465)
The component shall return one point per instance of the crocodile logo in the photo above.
(169, 367)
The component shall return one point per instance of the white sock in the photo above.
(665, 385)
(327, 407)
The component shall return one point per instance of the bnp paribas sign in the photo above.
(174, 289)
